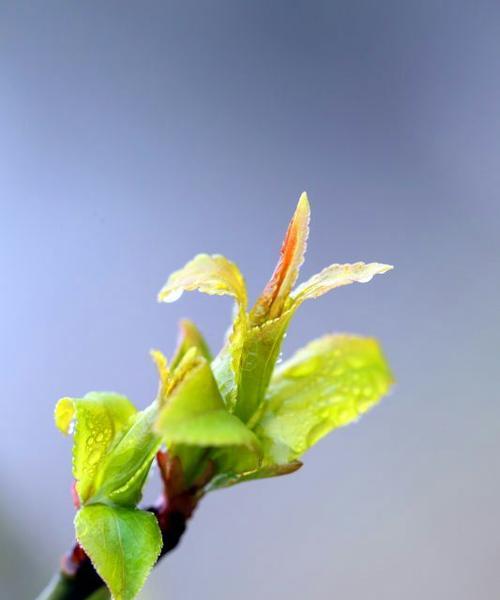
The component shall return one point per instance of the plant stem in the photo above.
(63, 587)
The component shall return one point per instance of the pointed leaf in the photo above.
(190, 337)
(122, 543)
(271, 303)
(336, 276)
(327, 384)
(100, 419)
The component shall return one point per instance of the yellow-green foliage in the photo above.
(238, 414)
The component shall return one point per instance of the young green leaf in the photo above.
(122, 543)
(209, 274)
(211, 429)
(336, 276)
(194, 391)
(126, 467)
(261, 349)
(100, 419)
(327, 384)
(194, 413)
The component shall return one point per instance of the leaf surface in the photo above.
(336, 276)
(327, 384)
(211, 274)
(261, 350)
(215, 428)
(122, 543)
(126, 467)
(195, 413)
(99, 419)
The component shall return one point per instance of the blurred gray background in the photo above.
(134, 135)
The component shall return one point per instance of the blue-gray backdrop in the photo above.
(134, 135)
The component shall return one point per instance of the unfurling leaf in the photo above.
(100, 420)
(122, 543)
(327, 384)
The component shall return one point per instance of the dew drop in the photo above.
(94, 457)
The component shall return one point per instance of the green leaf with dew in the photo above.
(126, 467)
(210, 274)
(195, 414)
(122, 543)
(261, 350)
(329, 383)
(99, 419)
(336, 276)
